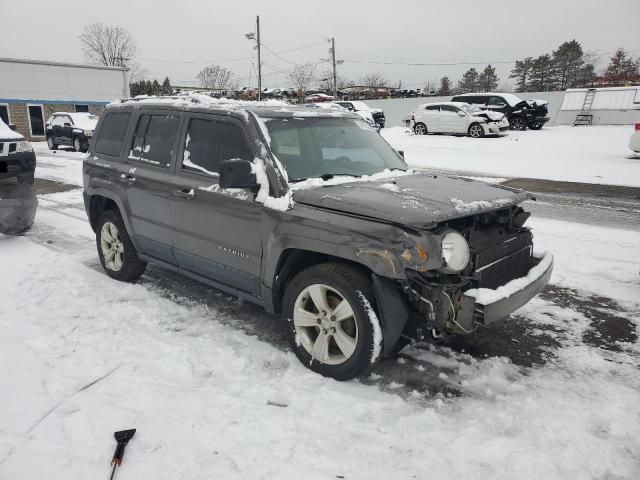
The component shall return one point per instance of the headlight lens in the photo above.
(455, 252)
(24, 146)
(88, 133)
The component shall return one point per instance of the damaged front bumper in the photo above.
(484, 306)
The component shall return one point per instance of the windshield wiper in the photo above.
(329, 176)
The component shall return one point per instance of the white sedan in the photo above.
(634, 141)
(457, 118)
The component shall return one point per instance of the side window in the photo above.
(209, 142)
(154, 139)
(435, 108)
(496, 102)
(111, 134)
(200, 148)
(449, 109)
(58, 121)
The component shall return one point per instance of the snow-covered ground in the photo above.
(596, 154)
(83, 356)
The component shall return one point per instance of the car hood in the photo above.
(417, 200)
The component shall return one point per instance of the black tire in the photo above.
(535, 125)
(131, 266)
(475, 130)
(26, 178)
(355, 287)
(51, 144)
(420, 127)
(518, 123)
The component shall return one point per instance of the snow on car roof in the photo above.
(83, 120)
(454, 104)
(510, 98)
(262, 108)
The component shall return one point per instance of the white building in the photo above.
(31, 90)
(608, 106)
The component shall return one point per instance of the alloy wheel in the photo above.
(420, 129)
(112, 247)
(325, 324)
(475, 131)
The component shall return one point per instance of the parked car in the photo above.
(17, 158)
(634, 141)
(457, 118)
(73, 129)
(309, 213)
(520, 113)
(357, 106)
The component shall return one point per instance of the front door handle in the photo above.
(127, 177)
(185, 192)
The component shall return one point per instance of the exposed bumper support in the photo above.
(485, 306)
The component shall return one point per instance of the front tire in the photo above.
(420, 129)
(331, 324)
(77, 145)
(117, 254)
(476, 130)
(518, 123)
(51, 144)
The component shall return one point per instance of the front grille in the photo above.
(501, 250)
(514, 266)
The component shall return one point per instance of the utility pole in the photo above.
(335, 76)
(259, 63)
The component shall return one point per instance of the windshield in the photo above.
(324, 147)
(470, 109)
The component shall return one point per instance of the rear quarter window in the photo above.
(111, 135)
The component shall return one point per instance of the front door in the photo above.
(216, 231)
(147, 174)
(452, 118)
(66, 131)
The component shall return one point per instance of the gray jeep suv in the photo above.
(309, 213)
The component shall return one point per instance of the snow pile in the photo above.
(469, 207)
(7, 134)
(486, 296)
(375, 326)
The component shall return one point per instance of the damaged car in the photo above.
(310, 214)
(521, 114)
(457, 118)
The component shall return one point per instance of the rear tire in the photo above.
(535, 125)
(117, 254)
(475, 130)
(420, 129)
(331, 324)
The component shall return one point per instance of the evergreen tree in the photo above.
(156, 89)
(568, 61)
(521, 73)
(166, 88)
(622, 69)
(541, 77)
(469, 81)
(445, 87)
(488, 80)
(586, 76)
(148, 88)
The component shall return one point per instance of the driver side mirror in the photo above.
(237, 173)
(401, 153)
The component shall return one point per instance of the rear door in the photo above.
(147, 175)
(217, 231)
(497, 104)
(432, 118)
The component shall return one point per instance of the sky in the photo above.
(177, 39)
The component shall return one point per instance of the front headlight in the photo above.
(88, 133)
(24, 146)
(455, 252)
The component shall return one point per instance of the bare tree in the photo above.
(137, 72)
(301, 76)
(107, 45)
(215, 77)
(374, 79)
(326, 79)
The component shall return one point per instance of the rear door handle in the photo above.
(185, 192)
(127, 177)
